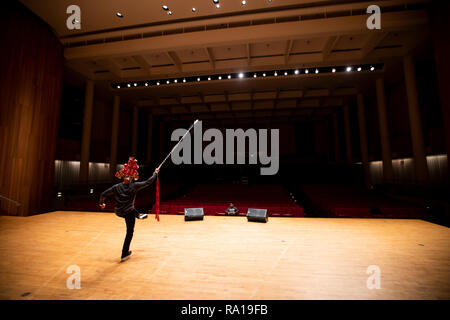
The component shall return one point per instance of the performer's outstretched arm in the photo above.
(146, 183)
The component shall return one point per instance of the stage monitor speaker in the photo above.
(193, 214)
(257, 215)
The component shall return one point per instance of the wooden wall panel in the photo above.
(30, 91)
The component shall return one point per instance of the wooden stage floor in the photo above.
(222, 258)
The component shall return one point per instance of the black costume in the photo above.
(232, 211)
(125, 194)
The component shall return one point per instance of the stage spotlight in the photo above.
(119, 15)
(349, 69)
(165, 8)
(241, 75)
(372, 68)
(296, 71)
(306, 71)
(333, 70)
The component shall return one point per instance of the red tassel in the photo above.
(157, 198)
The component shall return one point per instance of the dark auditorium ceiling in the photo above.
(149, 44)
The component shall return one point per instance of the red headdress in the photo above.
(129, 169)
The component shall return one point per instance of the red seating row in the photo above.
(356, 202)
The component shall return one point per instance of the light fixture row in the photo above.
(250, 75)
(169, 12)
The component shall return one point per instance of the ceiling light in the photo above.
(135, 84)
(306, 71)
(157, 83)
(217, 6)
(169, 13)
(243, 2)
(296, 71)
(167, 81)
(241, 75)
(372, 68)
(359, 69)
(285, 73)
(175, 81)
(193, 9)
(349, 69)
(146, 84)
(229, 76)
(264, 74)
(254, 76)
(165, 8)
(275, 74)
(216, 1)
(220, 77)
(118, 87)
(198, 79)
(317, 70)
(184, 80)
(129, 85)
(119, 15)
(209, 78)
(333, 70)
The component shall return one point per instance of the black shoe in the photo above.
(125, 258)
(141, 216)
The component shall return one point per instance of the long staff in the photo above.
(173, 149)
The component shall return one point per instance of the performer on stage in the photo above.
(125, 194)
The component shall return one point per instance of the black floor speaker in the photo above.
(193, 214)
(257, 215)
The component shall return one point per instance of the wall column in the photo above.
(114, 135)
(161, 139)
(87, 128)
(149, 138)
(440, 29)
(134, 130)
(388, 174)
(348, 135)
(363, 139)
(337, 156)
(420, 160)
